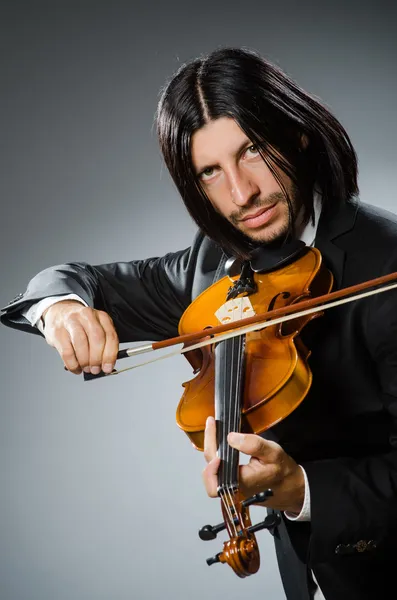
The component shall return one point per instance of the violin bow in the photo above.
(219, 333)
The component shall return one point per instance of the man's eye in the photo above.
(207, 173)
(253, 149)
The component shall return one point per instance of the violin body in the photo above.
(277, 376)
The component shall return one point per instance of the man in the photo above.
(259, 162)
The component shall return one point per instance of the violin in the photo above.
(242, 338)
(248, 383)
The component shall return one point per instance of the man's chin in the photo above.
(271, 239)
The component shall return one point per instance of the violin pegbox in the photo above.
(234, 310)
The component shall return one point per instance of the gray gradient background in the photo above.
(100, 493)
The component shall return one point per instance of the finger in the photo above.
(111, 347)
(252, 444)
(210, 477)
(80, 344)
(96, 341)
(63, 345)
(210, 446)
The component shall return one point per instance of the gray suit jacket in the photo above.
(345, 431)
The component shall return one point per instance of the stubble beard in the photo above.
(276, 235)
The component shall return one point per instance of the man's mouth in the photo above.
(258, 218)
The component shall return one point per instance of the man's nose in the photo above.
(242, 189)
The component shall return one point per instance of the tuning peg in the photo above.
(257, 498)
(214, 559)
(269, 523)
(209, 532)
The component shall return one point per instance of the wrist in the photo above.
(299, 487)
(304, 512)
(56, 304)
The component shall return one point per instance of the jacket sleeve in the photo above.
(145, 298)
(354, 499)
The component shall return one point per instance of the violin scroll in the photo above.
(241, 551)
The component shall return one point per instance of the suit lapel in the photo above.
(331, 226)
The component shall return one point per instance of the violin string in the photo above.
(230, 346)
(237, 419)
(231, 402)
(229, 398)
(229, 512)
(236, 389)
(244, 329)
(221, 360)
(238, 407)
(234, 408)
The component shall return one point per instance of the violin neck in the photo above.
(229, 382)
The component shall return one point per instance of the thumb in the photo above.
(249, 443)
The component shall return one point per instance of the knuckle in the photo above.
(205, 473)
(82, 358)
(102, 314)
(109, 358)
(85, 314)
(75, 370)
(112, 336)
(277, 454)
(95, 361)
(253, 444)
(87, 310)
(79, 337)
(97, 335)
(207, 455)
(274, 471)
(257, 444)
(67, 354)
(72, 325)
(72, 317)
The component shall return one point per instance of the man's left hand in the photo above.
(269, 467)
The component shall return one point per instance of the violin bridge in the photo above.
(234, 310)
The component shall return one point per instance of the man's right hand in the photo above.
(84, 337)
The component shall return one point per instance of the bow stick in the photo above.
(255, 323)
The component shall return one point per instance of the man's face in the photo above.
(238, 182)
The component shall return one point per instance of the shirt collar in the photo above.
(308, 233)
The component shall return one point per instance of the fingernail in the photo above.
(87, 370)
(207, 422)
(107, 368)
(235, 438)
(95, 370)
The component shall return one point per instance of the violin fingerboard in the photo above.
(229, 381)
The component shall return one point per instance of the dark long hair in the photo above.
(275, 114)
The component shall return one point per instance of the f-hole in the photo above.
(273, 301)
